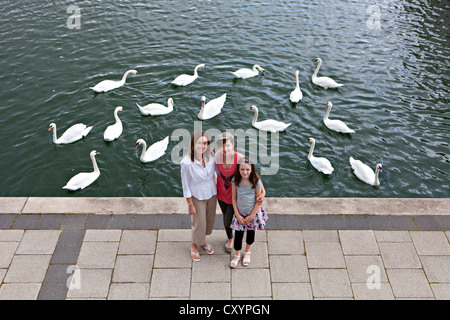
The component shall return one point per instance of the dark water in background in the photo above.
(395, 96)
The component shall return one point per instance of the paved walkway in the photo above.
(299, 256)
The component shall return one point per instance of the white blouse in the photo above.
(198, 181)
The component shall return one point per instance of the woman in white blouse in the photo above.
(200, 191)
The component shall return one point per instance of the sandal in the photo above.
(209, 249)
(246, 261)
(234, 262)
(195, 256)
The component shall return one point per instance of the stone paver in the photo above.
(286, 264)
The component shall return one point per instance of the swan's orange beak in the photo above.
(50, 128)
(97, 152)
(137, 145)
(137, 73)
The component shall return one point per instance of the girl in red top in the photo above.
(227, 159)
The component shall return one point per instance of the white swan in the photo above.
(269, 124)
(74, 133)
(156, 109)
(321, 164)
(364, 173)
(84, 179)
(248, 73)
(185, 79)
(113, 131)
(107, 85)
(212, 108)
(296, 95)
(153, 152)
(325, 82)
(336, 125)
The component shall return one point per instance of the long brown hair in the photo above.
(254, 177)
(197, 135)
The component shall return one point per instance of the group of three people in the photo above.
(238, 190)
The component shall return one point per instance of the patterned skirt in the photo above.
(257, 223)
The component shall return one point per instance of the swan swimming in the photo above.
(321, 164)
(246, 73)
(364, 173)
(325, 82)
(107, 85)
(185, 79)
(296, 95)
(153, 152)
(156, 109)
(336, 125)
(113, 131)
(212, 108)
(84, 179)
(74, 133)
(269, 124)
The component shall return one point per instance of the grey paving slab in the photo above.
(11, 235)
(93, 283)
(201, 272)
(19, 291)
(129, 291)
(399, 255)
(210, 291)
(175, 255)
(28, 268)
(441, 291)
(98, 254)
(362, 292)
(392, 236)
(260, 285)
(324, 255)
(133, 268)
(7, 251)
(409, 283)
(358, 242)
(288, 268)
(437, 268)
(320, 236)
(103, 235)
(285, 242)
(430, 242)
(330, 283)
(138, 242)
(170, 283)
(38, 242)
(292, 291)
(360, 268)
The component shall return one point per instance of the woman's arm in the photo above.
(185, 179)
(236, 211)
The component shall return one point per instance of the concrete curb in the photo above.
(177, 205)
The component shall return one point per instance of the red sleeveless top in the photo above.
(224, 181)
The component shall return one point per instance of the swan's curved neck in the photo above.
(144, 148)
(328, 113)
(313, 143)
(94, 163)
(317, 69)
(255, 117)
(125, 76)
(377, 171)
(170, 105)
(195, 71)
(116, 116)
(55, 137)
(296, 81)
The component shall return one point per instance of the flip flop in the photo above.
(209, 249)
(195, 256)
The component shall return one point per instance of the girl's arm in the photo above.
(255, 209)
(260, 198)
(236, 211)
